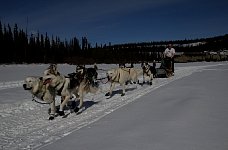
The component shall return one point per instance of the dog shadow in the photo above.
(73, 104)
(88, 104)
(85, 106)
(119, 91)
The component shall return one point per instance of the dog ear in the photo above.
(95, 66)
(55, 69)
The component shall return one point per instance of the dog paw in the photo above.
(61, 113)
(52, 117)
(76, 109)
(108, 94)
(122, 94)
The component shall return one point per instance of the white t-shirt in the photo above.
(169, 52)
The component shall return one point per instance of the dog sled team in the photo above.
(82, 81)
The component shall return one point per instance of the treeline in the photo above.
(19, 47)
(149, 51)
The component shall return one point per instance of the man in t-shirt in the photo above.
(169, 57)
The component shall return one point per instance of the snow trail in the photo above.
(25, 125)
(11, 84)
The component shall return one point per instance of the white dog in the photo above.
(122, 76)
(53, 79)
(43, 92)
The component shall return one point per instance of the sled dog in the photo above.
(89, 73)
(148, 72)
(82, 84)
(75, 83)
(43, 92)
(122, 75)
(61, 84)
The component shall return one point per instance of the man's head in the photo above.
(170, 45)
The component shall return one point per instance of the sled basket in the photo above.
(161, 73)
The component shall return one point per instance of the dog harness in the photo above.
(33, 99)
(61, 88)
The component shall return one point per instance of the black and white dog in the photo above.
(88, 73)
(148, 72)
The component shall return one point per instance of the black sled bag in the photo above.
(161, 73)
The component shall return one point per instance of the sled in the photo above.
(161, 72)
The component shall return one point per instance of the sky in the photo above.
(119, 21)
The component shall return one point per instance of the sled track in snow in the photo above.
(26, 125)
(11, 84)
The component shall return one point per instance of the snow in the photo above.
(24, 124)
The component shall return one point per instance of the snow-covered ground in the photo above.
(24, 124)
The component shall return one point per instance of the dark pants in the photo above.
(172, 61)
(169, 63)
